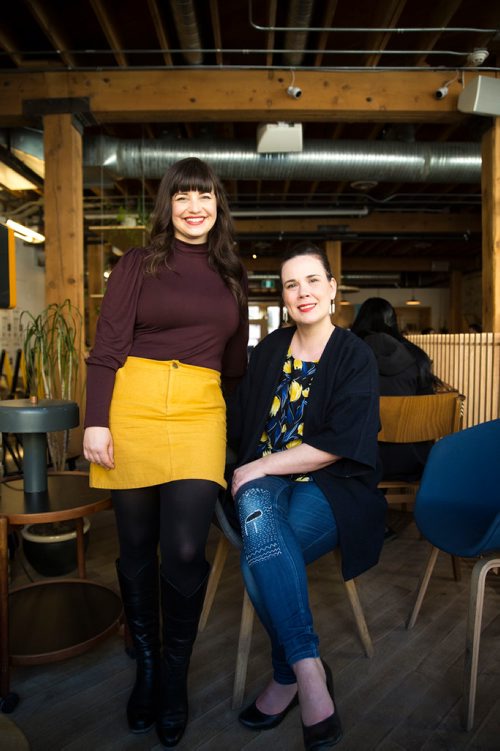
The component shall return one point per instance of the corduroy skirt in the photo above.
(168, 422)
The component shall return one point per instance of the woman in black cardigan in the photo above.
(304, 426)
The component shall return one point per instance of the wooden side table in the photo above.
(55, 618)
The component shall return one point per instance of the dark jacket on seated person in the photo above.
(400, 375)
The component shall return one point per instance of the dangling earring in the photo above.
(332, 307)
(285, 315)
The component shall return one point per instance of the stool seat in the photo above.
(22, 416)
(33, 420)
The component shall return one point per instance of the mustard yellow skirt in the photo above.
(168, 422)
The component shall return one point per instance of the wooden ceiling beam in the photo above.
(160, 31)
(390, 19)
(109, 31)
(47, 25)
(214, 15)
(251, 96)
(424, 223)
(440, 16)
(352, 263)
(323, 37)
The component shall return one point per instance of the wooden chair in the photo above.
(409, 419)
(228, 526)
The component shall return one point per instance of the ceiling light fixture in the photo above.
(24, 233)
(413, 300)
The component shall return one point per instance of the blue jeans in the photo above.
(285, 525)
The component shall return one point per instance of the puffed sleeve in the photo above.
(114, 335)
(350, 414)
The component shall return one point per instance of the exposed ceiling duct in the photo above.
(299, 16)
(392, 161)
(319, 160)
(186, 26)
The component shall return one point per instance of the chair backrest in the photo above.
(408, 419)
(462, 473)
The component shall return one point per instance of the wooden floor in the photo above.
(406, 697)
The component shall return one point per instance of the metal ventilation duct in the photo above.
(187, 30)
(319, 160)
(392, 161)
(299, 16)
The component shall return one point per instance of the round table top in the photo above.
(68, 497)
(46, 415)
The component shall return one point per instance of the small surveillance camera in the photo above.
(441, 93)
(294, 92)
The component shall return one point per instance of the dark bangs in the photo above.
(192, 174)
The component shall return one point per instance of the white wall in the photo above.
(30, 295)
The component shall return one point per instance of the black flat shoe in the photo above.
(253, 718)
(327, 732)
(324, 734)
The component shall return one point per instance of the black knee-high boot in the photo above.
(141, 605)
(181, 615)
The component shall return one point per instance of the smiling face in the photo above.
(193, 215)
(307, 291)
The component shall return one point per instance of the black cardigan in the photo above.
(341, 417)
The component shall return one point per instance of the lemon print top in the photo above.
(285, 424)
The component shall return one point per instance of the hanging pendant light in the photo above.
(413, 300)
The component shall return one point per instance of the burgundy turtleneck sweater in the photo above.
(184, 313)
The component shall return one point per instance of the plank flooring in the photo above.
(406, 698)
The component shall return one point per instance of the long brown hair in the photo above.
(182, 176)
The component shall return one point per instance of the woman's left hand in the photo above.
(247, 473)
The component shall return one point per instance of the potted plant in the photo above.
(51, 548)
(52, 352)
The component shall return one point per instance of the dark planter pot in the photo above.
(51, 548)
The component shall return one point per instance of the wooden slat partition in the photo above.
(469, 363)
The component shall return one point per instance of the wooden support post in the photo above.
(64, 224)
(490, 186)
(63, 210)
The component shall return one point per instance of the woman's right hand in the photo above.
(98, 447)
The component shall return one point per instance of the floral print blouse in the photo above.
(285, 423)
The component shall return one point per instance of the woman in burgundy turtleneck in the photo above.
(172, 329)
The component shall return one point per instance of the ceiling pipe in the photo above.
(389, 161)
(187, 29)
(382, 161)
(299, 17)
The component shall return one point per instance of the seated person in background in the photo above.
(404, 370)
(475, 328)
(304, 427)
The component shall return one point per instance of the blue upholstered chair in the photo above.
(457, 509)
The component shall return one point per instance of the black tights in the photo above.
(176, 515)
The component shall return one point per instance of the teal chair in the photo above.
(457, 509)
